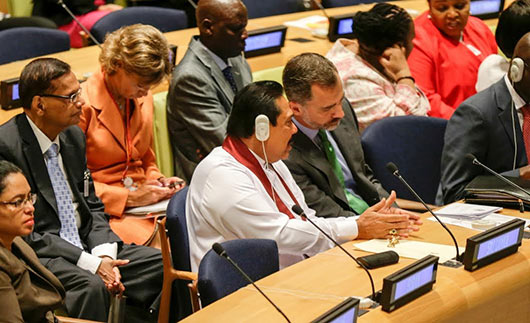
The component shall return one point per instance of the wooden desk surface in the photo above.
(85, 60)
(499, 292)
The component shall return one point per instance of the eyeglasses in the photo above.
(72, 97)
(32, 198)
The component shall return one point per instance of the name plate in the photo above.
(345, 312)
(409, 283)
(340, 26)
(494, 244)
(265, 41)
(9, 97)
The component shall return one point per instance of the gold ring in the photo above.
(392, 232)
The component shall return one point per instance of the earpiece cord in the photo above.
(267, 166)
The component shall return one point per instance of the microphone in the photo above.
(475, 161)
(394, 170)
(222, 252)
(321, 7)
(298, 210)
(62, 4)
(192, 4)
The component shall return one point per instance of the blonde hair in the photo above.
(139, 49)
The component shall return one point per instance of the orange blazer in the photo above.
(106, 142)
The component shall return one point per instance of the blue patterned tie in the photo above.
(227, 72)
(63, 197)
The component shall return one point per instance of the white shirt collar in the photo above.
(218, 60)
(42, 139)
(517, 100)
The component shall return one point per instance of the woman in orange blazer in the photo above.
(118, 123)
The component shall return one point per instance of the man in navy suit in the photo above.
(72, 237)
(490, 126)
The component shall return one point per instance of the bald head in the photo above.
(522, 51)
(222, 26)
(523, 46)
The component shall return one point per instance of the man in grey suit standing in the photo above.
(205, 82)
(493, 125)
(327, 160)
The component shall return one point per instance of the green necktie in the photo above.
(357, 204)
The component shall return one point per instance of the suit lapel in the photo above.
(316, 158)
(215, 71)
(109, 115)
(509, 118)
(33, 264)
(33, 155)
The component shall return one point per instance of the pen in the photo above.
(172, 185)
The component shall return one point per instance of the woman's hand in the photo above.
(394, 62)
(148, 193)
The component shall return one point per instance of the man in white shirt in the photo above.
(244, 190)
(72, 237)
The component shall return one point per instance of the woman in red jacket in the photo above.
(448, 49)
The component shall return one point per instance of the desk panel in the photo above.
(495, 293)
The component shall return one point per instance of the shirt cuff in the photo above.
(89, 262)
(347, 230)
(106, 249)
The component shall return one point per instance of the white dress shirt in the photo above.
(226, 201)
(87, 261)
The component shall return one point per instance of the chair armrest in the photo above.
(64, 319)
(413, 206)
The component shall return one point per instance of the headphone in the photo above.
(517, 69)
(262, 127)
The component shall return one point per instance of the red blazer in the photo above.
(445, 69)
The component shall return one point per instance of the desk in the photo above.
(499, 292)
(85, 60)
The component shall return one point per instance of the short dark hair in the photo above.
(7, 168)
(382, 27)
(254, 99)
(513, 23)
(36, 78)
(304, 70)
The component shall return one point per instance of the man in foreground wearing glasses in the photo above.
(72, 237)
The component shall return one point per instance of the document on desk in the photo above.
(467, 210)
(309, 23)
(411, 249)
(494, 218)
(157, 208)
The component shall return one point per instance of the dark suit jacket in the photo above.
(19, 145)
(483, 126)
(314, 174)
(28, 291)
(198, 105)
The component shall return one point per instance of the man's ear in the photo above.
(206, 27)
(296, 108)
(37, 105)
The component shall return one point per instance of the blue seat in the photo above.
(178, 240)
(265, 8)
(164, 19)
(217, 278)
(415, 145)
(27, 42)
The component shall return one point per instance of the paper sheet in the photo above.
(495, 218)
(309, 23)
(411, 249)
(159, 207)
